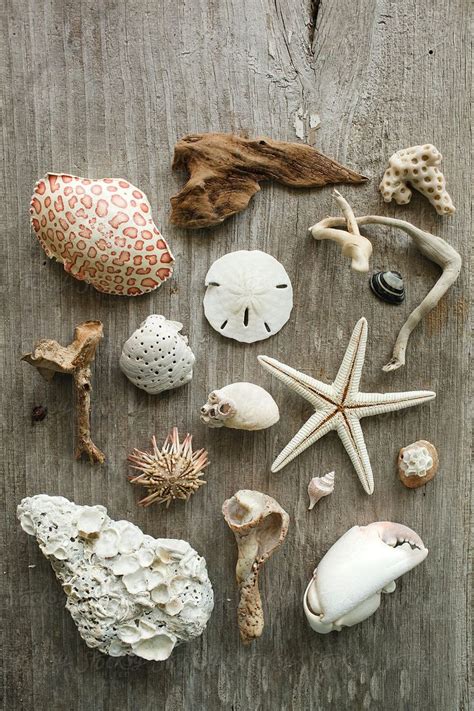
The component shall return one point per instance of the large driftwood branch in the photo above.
(49, 357)
(225, 171)
(431, 246)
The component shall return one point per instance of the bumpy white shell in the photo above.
(128, 593)
(157, 357)
(347, 585)
(240, 406)
(249, 296)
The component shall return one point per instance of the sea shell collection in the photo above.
(131, 594)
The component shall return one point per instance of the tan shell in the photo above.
(260, 526)
(417, 464)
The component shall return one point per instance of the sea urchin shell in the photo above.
(171, 472)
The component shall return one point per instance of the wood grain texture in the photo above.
(105, 89)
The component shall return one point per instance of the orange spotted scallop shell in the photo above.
(102, 231)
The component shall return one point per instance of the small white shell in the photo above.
(157, 357)
(320, 486)
(249, 296)
(90, 520)
(240, 406)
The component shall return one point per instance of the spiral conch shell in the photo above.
(240, 406)
(320, 486)
(348, 583)
(102, 231)
(260, 526)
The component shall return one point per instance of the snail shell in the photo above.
(388, 286)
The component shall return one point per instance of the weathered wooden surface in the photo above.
(106, 88)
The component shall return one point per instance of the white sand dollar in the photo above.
(249, 296)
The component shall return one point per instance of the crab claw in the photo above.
(347, 584)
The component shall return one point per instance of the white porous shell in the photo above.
(157, 357)
(128, 593)
(249, 296)
(240, 406)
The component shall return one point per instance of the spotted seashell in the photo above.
(157, 357)
(102, 231)
(388, 286)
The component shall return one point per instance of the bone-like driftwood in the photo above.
(225, 171)
(49, 357)
(431, 246)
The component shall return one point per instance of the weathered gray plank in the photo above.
(106, 89)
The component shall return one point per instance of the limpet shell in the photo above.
(249, 296)
(102, 231)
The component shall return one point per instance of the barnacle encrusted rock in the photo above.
(102, 231)
(225, 171)
(128, 593)
(157, 357)
(419, 166)
(417, 464)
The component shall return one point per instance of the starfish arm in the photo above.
(368, 404)
(352, 437)
(316, 427)
(349, 374)
(317, 393)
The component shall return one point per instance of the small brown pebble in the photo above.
(417, 464)
(38, 413)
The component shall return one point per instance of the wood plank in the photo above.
(107, 88)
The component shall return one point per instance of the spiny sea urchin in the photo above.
(171, 472)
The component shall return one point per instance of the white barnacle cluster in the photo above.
(157, 357)
(128, 593)
(415, 460)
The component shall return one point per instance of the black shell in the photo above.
(388, 286)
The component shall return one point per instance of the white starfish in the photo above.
(340, 406)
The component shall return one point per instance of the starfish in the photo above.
(340, 406)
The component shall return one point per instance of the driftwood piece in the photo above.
(225, 171)
(431, 246)
(49, 357)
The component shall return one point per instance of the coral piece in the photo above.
(318, 487)
(348, 583)
(225, 171)
(417, 464)
(240, 406)
(260, 526)
(157, 357)
(418, 166)
(352, 243)
(431, 246)
(128, 593)
(388, 286)
(171, 472)
(340, 406)
(49, 357)
(102, 231)
(249, 296)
